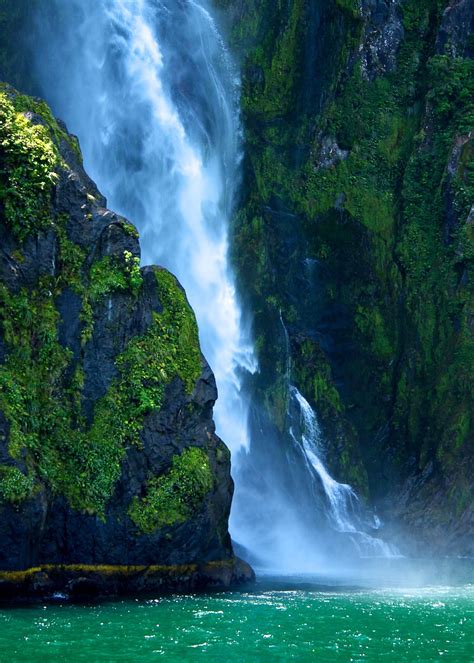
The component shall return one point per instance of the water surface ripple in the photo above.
(263, 625)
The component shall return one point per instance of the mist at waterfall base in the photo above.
(153, 95)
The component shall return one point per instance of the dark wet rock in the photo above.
(383, 34)
(69, 305)
(78, 583)
(462, 144)
(457, 28)
(96, 322)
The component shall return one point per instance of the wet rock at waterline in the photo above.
(109, 462)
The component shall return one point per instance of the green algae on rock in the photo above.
(81, 581)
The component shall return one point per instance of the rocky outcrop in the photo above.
(111, 474)
(80, 582)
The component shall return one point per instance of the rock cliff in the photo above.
(111, 475)
(356, 228)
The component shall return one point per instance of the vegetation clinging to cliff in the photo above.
(28, 163)
(41, 381)
(174, 496)
(370, 189)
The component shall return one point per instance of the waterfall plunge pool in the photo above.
(280, 619)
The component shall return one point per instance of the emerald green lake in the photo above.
(277, 620)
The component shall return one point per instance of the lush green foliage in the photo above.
(176, 495)
(114, 274)
(28, 165)
(41, 383)
(14, 485)
(170, 348)
(384, 224)
(43, 406)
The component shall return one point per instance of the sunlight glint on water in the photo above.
(267, 624)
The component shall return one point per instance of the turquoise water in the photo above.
(276, 621)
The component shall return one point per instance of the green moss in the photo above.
(314, 377)
(71, 258)
(40, 387)
(282, 74)
(175, 496)
(28, 171)
(27, 104)
(386, 227)
(114, 274)
(69, 571)
(170, 348)
(325, 394)
(14, 485)
(351, 6)
(131, 230)
(438, 308)
(31, 375)
(42, 404)
(372, 326)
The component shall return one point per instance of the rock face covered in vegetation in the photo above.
(109, 462)
(356, 227)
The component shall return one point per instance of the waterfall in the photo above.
(291, 513)
(346, 513)
(150, 89)
(152, 93)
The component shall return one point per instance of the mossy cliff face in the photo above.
(108, 454)
(356, 224)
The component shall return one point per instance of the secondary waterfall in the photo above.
(345, 511)
(301, 518)
(150, 89)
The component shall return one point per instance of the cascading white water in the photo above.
(302, 519)
(340, 496)
(150, 89)
(346, 513)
